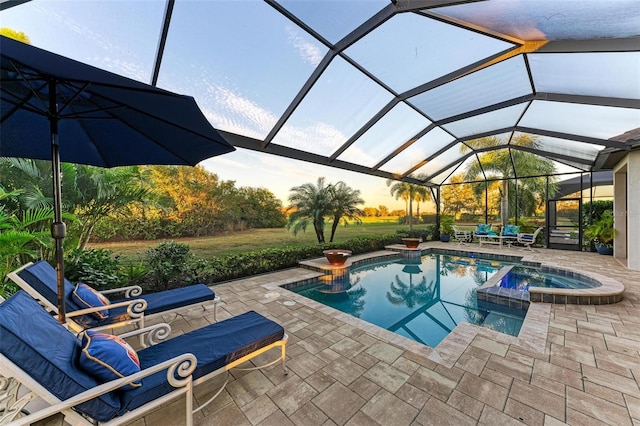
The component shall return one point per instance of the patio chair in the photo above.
(86, 309)
(527, 240)
(461, 236)
(60, 368)
(510, 234)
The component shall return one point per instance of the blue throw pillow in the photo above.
(108, 357)
(483, 229)
(511, 230)
(87, 297)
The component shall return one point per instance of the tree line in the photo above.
(123, 203)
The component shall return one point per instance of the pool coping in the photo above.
(609, 291)
(533, 333)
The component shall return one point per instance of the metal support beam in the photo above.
(413, 5)
(572, 137)
(166, 21)
(283, 151)
(631, 44)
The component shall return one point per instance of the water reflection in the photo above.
(410, 295)
(342, 293)
(422, 299)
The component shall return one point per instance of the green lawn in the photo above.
(208, 247)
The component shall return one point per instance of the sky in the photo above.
(85, 31)
(279, 175)
(244, 63)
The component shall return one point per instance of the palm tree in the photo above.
(403, 190)
(310, 203)
(409, 192)
(410, 295)
(33, 179)
(19, 242)
(106, 192)
(344, 205)
(499, 162)
(421, 194)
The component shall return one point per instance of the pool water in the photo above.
(422, 299)
(521, 278)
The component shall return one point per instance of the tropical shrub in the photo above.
(425, 233)
(239, 265)
(428, 217)
(172, 265)
(592, 213)
(446, 224)
(602, 230)
(404, 220)
(98, 268)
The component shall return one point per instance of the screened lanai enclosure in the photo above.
(430, 92)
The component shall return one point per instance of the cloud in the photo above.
(226, 161)
(248, 113)
(309, 52)
(128, 69)
(317, 137)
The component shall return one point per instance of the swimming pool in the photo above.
(420, 298)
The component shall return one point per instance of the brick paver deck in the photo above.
(575, 364)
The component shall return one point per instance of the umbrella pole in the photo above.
(58, 228)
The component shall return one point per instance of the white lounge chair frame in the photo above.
(182, 366)
(135, 307)
(523, 238)
(462, 237)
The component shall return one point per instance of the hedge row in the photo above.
(255, 262)
(172, 265)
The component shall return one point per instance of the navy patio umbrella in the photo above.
(55, 108)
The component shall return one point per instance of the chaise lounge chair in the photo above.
(527, 240)
(46, 358)
(85, 311)
(462, 236)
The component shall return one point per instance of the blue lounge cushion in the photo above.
(48, 352)
(42, 277)
(90, 298)
(175, 298)
(511, 231)
(214, 346)
(107, 357)
(156, 303)
(527, 237)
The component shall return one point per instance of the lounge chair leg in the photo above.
(284, 358)
(142, 336)
(189, 404)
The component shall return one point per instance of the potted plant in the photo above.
(602, 232)
(446, 227)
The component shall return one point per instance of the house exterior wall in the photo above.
(626, 205)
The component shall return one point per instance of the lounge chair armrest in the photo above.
(135, 308)
(153, 334)
(130, 291)
(182, 366)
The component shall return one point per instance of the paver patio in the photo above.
(578, 365)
